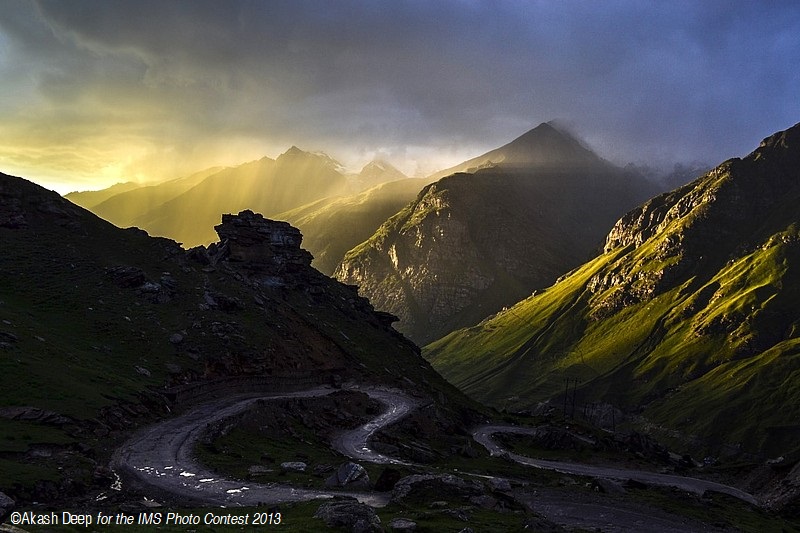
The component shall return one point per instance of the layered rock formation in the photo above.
(261, 245)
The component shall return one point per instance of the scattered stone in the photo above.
(173, 368)
(150, 288)
(150, 504)
(8, 337)
(143, 371)
(34, 414)
(127, 277)
(294, 466)
(6, 506)
(322, 469)
(502, 485)
(176, 338)
(350, 475)
(485, 501)
(402, 524)
(425, 486)
(439, 504)
(258, 470)
(352, 515)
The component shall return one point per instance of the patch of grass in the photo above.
(18, 436)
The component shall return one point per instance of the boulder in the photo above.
(294, 466)
(351, 475)
(402, 524)
(357, 517)
(426, 487)
(6, 506)
(500, 484)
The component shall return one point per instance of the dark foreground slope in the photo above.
(690, 317)
(470, 244)
(96, 321)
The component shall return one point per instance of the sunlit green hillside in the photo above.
(689, 317)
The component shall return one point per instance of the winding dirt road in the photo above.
(483, 435)
(161, 456)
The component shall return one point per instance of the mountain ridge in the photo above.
(686, 317)
(477, 230)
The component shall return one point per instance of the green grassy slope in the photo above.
(689, 317)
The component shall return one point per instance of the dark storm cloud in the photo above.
(672, 80)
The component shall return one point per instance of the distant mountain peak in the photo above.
(294, 150)
(377, 164)
(546, 144)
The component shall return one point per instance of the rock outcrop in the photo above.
(261, 246)
(6, 506)
(356, 517)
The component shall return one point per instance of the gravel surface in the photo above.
(161, 457)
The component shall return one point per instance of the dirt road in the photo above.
(160, 457)
(483, 435)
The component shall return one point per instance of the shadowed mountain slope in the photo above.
(332, 226)
(470, 244)
(95, 321)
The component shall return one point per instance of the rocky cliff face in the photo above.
(691, 230)
(473, 243)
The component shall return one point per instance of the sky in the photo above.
(98, 92)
